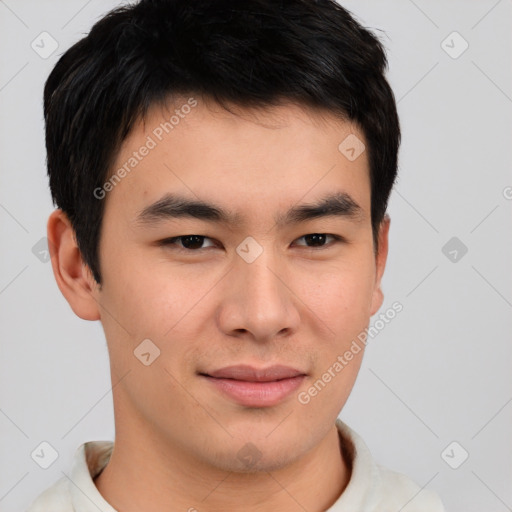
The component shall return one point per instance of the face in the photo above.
(265, 289)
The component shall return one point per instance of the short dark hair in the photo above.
(250, 53)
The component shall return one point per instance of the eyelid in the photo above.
(337, 238)
(172, 241)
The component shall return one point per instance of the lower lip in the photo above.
(257, 394)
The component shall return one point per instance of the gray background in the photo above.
(438, 373)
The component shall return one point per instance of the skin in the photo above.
(177, 438)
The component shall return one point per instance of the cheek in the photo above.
(156, 299)
(147, 295)
(343, 296)
(344, 307)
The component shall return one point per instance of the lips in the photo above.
(252, 374)
(255, 387)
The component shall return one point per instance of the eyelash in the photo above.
(172, 242)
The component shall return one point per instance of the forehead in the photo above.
(266, 158)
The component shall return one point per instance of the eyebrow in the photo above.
(172, 206)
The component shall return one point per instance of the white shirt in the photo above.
(372, 487)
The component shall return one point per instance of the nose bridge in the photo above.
(260, 277)
(261, 302)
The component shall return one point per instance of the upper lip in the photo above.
(252, 374)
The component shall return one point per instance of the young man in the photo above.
(222, 171)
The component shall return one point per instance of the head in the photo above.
(245, 110)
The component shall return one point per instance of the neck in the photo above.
(152, 467)
(142, 476)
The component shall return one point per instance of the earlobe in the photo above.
(380, 261)
(72, 275)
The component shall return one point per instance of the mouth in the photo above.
(253, 387)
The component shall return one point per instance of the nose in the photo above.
(259, 301)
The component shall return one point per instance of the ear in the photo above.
(380, 260)
(73, 276)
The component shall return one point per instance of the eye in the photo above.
(194, 243)
(318, 240)
(186, 242)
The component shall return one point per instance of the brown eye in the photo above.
(192, 243)
(317, 240)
